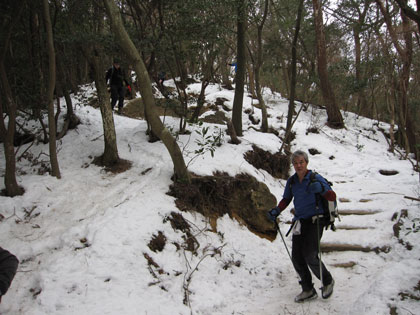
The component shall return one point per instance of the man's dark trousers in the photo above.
(305, 254)
(117, 94)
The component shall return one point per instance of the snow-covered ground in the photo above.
(82, 239)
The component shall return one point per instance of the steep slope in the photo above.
(84, 241)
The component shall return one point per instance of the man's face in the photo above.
(300, 165)
(116, 65)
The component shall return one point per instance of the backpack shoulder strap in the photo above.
(312, 177)
(291, 182)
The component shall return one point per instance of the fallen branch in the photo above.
(190, 271)
(385, 193)
(403, 156)
(412, 198)
(97, 137)
(27, 149)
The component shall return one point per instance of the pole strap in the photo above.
(291, 228)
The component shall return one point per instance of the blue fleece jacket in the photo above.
(303, 200)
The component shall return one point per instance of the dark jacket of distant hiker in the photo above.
(116, 77)
(8, 267)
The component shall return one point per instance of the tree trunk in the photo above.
(55, 170)
(391, 110)
(406, 55)
(7, 135)
(207, 63)
(404, 83)
(264, 119)
(291, 108)
(232, 133)
(286, 79)
(240, 73)
(251, 79)
(96, 55)
(110, 156)
(181, 85)
(409, 12)
(71, 119)
(361, 103)
(59, 92)
(391, 87)
(335, 120)
(200, 101)
(146, 92)
(224, 67)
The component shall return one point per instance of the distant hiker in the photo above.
(161, 78)
(234, 64)
(8, 267)
(116, 77)
(308, 225)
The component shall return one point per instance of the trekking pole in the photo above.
(319, 253)
(284, 242)
(287, 249)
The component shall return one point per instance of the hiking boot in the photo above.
(327, 290)
(306, 296)
(119, 110)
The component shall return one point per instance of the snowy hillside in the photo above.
(83, 241)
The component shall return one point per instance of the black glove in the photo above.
(273, 213)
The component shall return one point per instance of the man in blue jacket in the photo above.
(8, 267)
(308, 225)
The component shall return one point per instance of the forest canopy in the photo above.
(354, 55)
